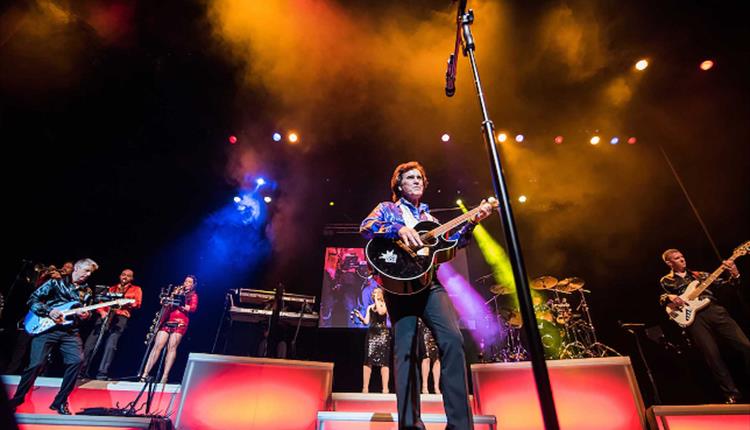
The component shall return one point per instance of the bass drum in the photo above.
(552, 339)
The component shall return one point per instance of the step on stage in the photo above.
(699, 417)
(221, 392)
(34, 413)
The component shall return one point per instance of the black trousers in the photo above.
(116, 325)
(69, 343)
(714, 322)
(434, 307)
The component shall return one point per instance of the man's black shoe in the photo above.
(14, 403)
(101, 377)
(732, 399)
(61, 409)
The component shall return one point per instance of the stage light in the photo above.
(237, 199)
(641, 65)
(232, 139)
(331, 203)
(293, 137)
(595, 140)
(445, 137)
(502, 137)
(260, 182)
(267, 199)
(632, 141)
(615, 140)
(459, 202)
(558, 139)
(707, 65)
(522, 199)
(276, 137)
(519, 138)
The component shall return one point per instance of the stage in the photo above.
(220, 392)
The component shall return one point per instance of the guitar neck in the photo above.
(455, 222)
(89, 308)
(710, 279)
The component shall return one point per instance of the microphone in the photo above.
(450, 76)
(630, 325)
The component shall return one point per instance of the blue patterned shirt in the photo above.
(387, 219)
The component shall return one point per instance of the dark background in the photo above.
(114, 120)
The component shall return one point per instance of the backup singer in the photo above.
(711, 322)
(377, 342)
(173, 326)
(51, 294)
(118, 320)
(394, 220)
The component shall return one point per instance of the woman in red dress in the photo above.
(173, 326)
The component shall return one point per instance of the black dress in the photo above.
(427, 346)
(378, 341)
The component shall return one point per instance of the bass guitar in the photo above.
(685, 315)
(407, 270)
(35, 324)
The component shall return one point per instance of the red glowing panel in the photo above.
(700, 417)
(62, 427)
(707, 422)
(595, 394)
(221, 392)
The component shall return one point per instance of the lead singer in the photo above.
(394, 220)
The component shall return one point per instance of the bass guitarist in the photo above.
(711, 322)
(53, 293)
(394, 220)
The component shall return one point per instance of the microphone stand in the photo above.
(629, 329)
(221, 322)
(293, 343)
(102, 329)
(539, 367)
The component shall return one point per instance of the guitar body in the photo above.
(402, 272)
(685, 315)
(34, 324)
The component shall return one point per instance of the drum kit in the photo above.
(562, 316)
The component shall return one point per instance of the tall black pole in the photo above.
(539, 366)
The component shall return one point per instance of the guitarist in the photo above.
(116, 322)
(710, 322)
(393, 220)
(53, 293)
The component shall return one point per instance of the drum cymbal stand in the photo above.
(596, 349)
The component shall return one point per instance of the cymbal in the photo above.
(501, 289)
(569, 285)
(512, 317)
(543, 283)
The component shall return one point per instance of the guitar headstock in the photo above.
(743, 249)
(122, 302)
(493, 201)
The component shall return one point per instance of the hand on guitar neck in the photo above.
(731, 267)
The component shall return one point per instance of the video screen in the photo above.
(347, 285)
